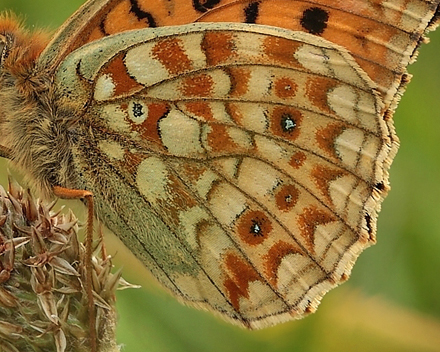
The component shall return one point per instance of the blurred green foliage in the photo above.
(391, 302)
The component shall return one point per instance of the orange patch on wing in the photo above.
(171, 54)
(234, 12)
(323, 176)
(239, 77)
(317, 89)
(132, 161)
(219, 140)
(124, 84)
(358, 41)
(285, 88)
(121, 19)
(95, 34)
(326, 138)
(286, 122)
(218, 47)
(281, 51)
(192, 171)
(308, 220)
(234, 112)
(200, 109)
(177, 200)
(286, 197)
(253, 227)
(149, 129)
(274, 257)
(200, 85)
(297, 160)
(181, 198)
(379, 74)
(241, 274)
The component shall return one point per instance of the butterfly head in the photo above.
(19, 48)
(5, 47)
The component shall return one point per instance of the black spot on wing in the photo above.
(142, 15)
(251, 12)
(204, 5)
(314, 20)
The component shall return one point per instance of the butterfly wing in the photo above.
(381, 36)
(243, 165)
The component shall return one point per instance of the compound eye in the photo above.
(2, 43)
(4, 49)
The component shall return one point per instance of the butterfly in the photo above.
(240, 149)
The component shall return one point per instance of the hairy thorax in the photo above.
(32, 125)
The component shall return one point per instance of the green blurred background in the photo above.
(391, 302)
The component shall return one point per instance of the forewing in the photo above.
(380, 35)
(244, 165)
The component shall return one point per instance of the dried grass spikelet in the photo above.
(43, 303)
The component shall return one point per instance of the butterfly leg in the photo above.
(67, 193)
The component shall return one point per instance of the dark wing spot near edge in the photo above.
(309, 308)
(435, 19)
(314, 20)
(203, 6)
(251, 12)
(379, 186)
(140, 14)
(368, 222)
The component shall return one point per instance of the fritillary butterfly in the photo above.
(239, 148)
